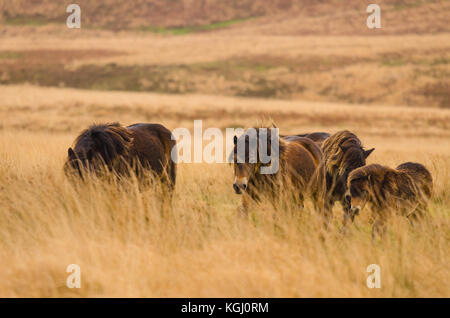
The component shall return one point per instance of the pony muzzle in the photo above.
(240, 186)
(354, 210)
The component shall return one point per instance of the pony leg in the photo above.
(327, 213)
(346, 219)
(300, 200)
(379, 228)
(419, 213)
(348, 216)
(323, 205)
(245, 203)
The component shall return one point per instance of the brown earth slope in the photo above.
(278, 16)
(310, 50)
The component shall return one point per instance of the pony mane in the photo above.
(332, 145)
(110, 140)
(281, 142)
(340, 146)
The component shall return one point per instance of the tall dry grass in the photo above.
(126, 247)
(321, 53)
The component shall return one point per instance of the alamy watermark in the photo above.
(254, 145)
(374, 279)
(374, 19)
(74, 19)
(74, 279)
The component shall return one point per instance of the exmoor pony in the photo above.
(405, 190)
(297, 159)
(114, 148)
(342, 153)
(317, 137)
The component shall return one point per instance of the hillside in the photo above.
(274, 17)
(306, 66)
(297, 50)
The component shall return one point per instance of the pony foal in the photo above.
(405, 190)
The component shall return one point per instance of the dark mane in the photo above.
(143, 150)
(341, 146)
(342, 153)
(109, 141)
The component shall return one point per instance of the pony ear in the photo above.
(71, 153)
(235, 139)
(368, 152)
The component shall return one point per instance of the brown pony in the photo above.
(317, 137)
(114, 148)
(298, 159)
(405, 189)
(342, 153)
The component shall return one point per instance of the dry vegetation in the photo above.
(315, 50)
(281, 65)
(125, 247)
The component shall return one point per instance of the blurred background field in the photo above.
(313, 50)
(306, 65)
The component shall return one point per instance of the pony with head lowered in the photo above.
(112, 148)
(342, 153)
(404, 190)
(295, 161)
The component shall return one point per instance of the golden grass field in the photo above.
(390, 89)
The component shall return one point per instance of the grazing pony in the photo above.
(405, 190)
(114, 148)
(342, 153)
(317, 137)
(297, 161)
